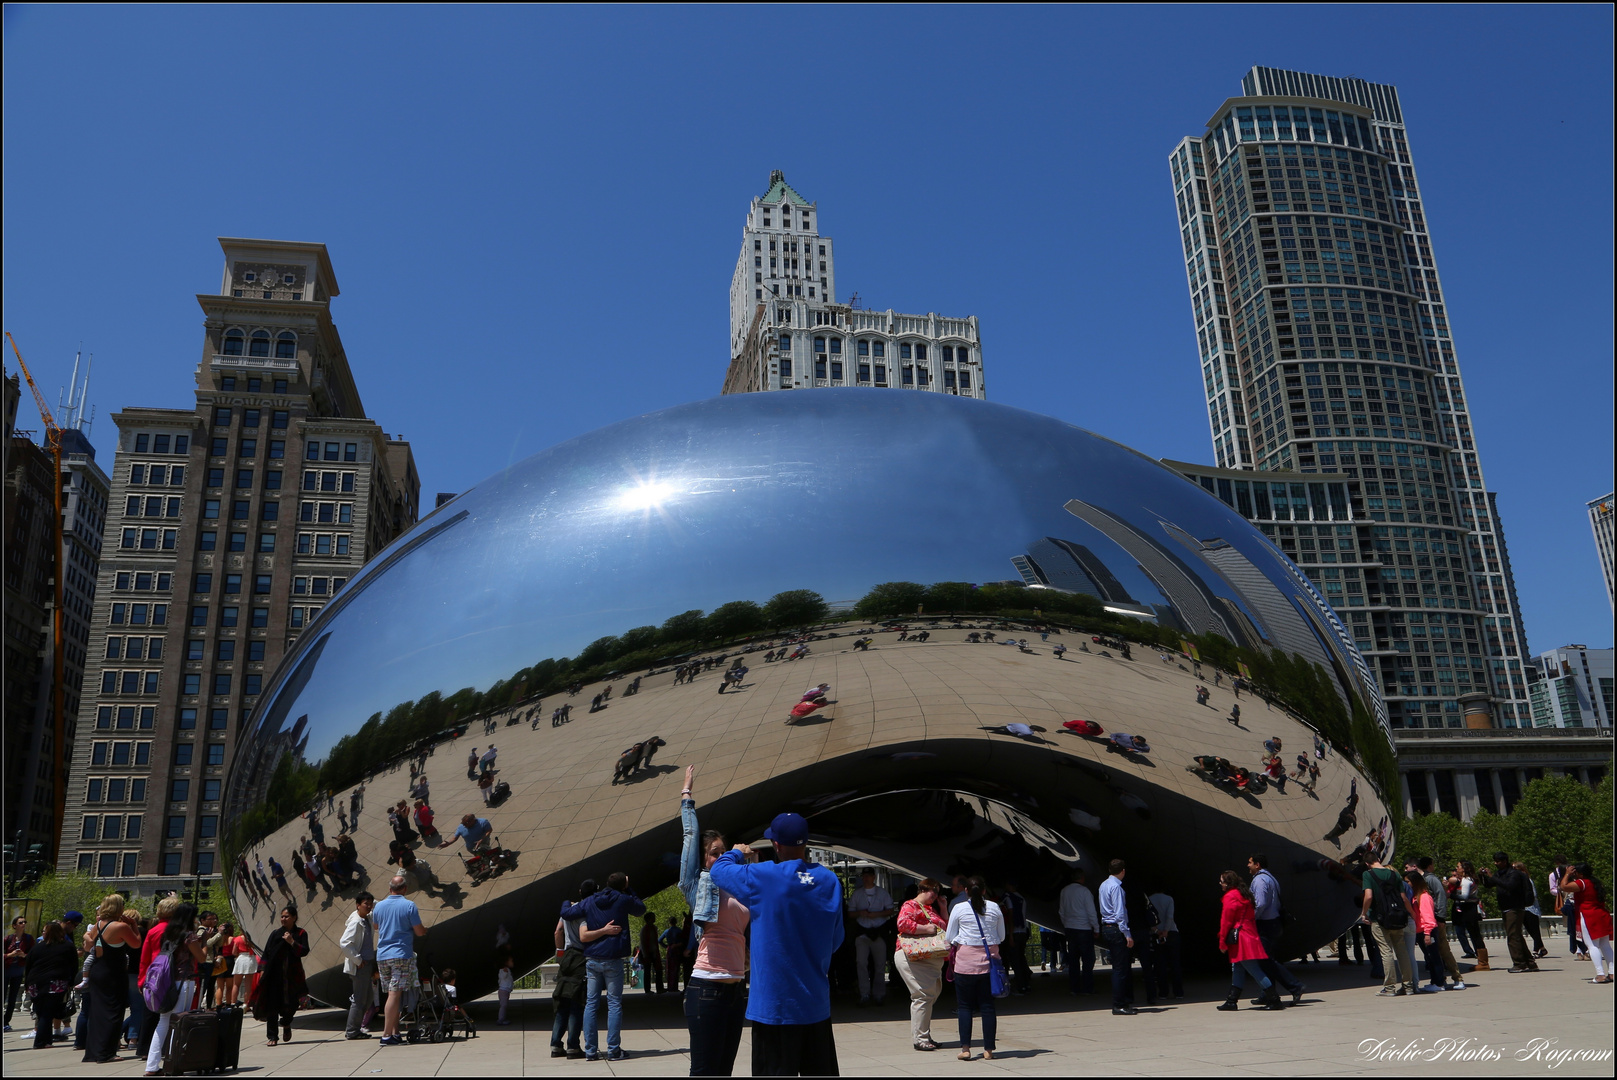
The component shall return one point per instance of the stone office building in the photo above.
(787, 332)
(35, 766)
(232, 523)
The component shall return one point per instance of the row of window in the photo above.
(349, 451)
(230, 583)
(124, 717)
(152, 506)
(140, 614)
(229, 615)
(191, 684)
(158, 475)
(327, 481)
(105, 864)
(179, 789)
(301, 617)
(250, 418)
(244, 478)
(326, 513)
(316, 586)
(255, 384)
(115, 789)
(142, 582)
(225, 650)
(238, 343)
(129, 682)
(111, 827)
(127, 753)
(910, 376)
(157, 443)
(241, 509)
(323, 544)
(247, 448)
(134, 648)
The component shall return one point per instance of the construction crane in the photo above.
(53, 443)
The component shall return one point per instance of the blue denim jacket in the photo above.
(697, 885)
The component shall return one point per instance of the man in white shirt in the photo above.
(871, 906)
(1080, 923)
(486, 762)
(1169, 974)
(358, 945)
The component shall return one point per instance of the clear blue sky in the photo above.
(534, 212)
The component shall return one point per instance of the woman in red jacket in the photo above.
(1593, 919)
(1238, 938)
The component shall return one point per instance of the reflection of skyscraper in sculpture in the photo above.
(1062, 564)
(1195, 607)
(1283, 625)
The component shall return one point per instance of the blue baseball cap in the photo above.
(72, 916)
(789, 830)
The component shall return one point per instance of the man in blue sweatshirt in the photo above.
(796, 925)
(603, 960)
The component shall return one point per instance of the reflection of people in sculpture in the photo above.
(1134, 744)
(1084, 727)
(1021, 731)
(814, 698)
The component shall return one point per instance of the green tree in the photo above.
(734, 619)
(794, 608)
(686, 626)
(890, 600)
(1595, 845)
(949, 596)
(1552, 818)
(599, 651)
(64, 892)
(641, 638)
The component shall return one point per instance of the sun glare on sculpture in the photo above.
(646, 496)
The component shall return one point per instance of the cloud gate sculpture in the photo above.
(724, 527)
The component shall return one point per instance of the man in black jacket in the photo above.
(1514, 891)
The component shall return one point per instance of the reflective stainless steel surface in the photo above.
(742, 498)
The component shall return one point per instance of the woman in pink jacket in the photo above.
(1425, 929)
(1238, 939)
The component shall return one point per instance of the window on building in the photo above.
(259, 344)
(286, 346)
(235, 342)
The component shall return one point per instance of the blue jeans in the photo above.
(1122, 966)
(1239, 970)
(715, 1014)
(569, 1022)
(599, 973)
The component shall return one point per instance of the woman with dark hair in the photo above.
(715, 988)
(922, 949)
(48, 972)
(1238, 939)
(115, 948)
(976, 929)
(1468, 913)
(281, 984)
(183, 948)
(1594, 921)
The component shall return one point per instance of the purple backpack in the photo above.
(161, 991)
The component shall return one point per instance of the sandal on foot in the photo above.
(965, 1054)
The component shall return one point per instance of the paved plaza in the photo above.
(1508, 1025)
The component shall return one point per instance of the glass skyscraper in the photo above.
(1326, 349)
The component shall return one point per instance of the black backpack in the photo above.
(1386, 900)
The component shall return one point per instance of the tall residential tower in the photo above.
(1600, 522)
(787, 331)
(1326, 349)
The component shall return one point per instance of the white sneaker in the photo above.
(1458, 986)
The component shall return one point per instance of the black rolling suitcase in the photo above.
(229, 1056)
(193, 1043)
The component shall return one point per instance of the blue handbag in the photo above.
(998, 984)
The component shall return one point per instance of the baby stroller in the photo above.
(450, 1014)
(420, 1015)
